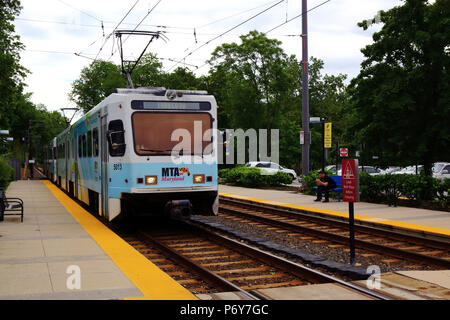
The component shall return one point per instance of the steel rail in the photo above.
(284, 264)
(396, 252)
(206, 274)
(342, 223)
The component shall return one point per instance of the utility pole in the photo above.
(305, 91)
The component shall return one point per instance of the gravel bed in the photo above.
(319, 249)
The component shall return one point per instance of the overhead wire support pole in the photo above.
(305, 90)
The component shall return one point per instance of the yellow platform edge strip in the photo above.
(146, 276)
(399, 224)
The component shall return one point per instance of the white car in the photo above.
(441, 170)
(409, 170)
(271, 168)
(390, 170)
(369, 169)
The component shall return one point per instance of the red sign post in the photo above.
(350, 194)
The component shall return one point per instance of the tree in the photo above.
(401, 98)
(96, 82)
(11, 72)
(181, 78)
(148, 72)
(251, 80)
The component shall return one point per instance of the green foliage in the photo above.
(11, 72)
(258, 86)
(252, 177)
(147, 73)
(388, 188)
(6, 174)
(96, 82)
(402, 93)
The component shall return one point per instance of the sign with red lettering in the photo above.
(350, 180)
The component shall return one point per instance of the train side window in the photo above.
(116, 138)
(89, 143)
(83, 138)
(95, 141)
(79, 147)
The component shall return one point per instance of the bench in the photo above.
(338, 188)
(14, 205)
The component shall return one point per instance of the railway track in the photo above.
(313, 228)
(206, 262)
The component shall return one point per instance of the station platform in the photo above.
(58, 241)
(416, 220)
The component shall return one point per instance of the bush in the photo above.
(252, 177)
(6, 174)
(388, 188)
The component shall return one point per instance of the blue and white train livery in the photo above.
(141, 152)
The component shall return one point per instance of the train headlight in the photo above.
(151, 180)
(199, 178)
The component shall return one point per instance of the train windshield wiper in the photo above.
(156, 150)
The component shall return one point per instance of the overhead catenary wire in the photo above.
(296, 17)
(236, 14)
(222, 34)
(282, 24)
(137, 26)
(96, 26)
(115, 28)
(83, 12)
(142, 25)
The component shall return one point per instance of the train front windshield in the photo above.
(160, 133)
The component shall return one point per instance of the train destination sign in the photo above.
(350, 180)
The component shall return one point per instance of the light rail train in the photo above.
(141, 152)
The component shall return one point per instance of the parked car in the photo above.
(370, 170)
(271, 168)
(409, 170)
(390, 170)
(333, 167)
(441, 170)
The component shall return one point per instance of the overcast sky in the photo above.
(68, 27)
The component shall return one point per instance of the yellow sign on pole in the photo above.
(327, 138)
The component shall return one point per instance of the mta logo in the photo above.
(175, 172)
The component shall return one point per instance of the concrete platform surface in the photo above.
(39, 256)
(410, 218)
(415, 285)
(58, 240)
(325, 291)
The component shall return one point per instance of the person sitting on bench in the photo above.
(324, 185)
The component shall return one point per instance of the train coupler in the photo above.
(178, 209)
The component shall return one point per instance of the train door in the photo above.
(66, 159)
(76, 160)
(104, 163)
